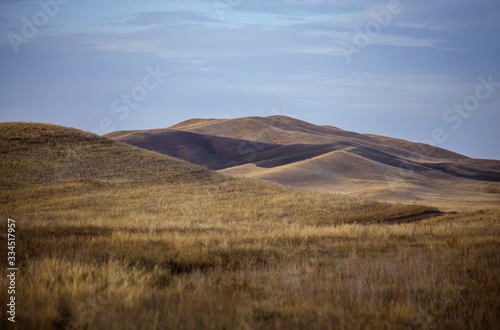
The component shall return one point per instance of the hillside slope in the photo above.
(71, 174)
(324, 158)
(43, 155)
(109, 236)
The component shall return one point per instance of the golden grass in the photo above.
(200, 250)
(138, 271)
(47, 155)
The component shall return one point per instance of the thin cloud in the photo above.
(341, 37)
(168, 17)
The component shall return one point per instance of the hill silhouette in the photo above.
(325, 158)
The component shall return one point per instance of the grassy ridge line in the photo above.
(43, 155)
(326, 159)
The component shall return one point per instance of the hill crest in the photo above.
(293, 152)
(45, 154)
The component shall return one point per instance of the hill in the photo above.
(45, 155)
(108, 235)
(43, 161)
(324, 158)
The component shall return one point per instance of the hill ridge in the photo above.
(45, 154)
(293, 152)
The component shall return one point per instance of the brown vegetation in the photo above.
(160, 243)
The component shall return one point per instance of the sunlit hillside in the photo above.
(295, 153)
(110, 236)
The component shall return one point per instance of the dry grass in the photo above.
(142, 272)
(48, 155)
(200, 250)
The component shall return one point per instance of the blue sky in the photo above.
(418, 70)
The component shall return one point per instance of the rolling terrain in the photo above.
(327, 159)
(43, 155)
(42, 160)
(111, 236)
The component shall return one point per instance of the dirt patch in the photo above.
(414, 217)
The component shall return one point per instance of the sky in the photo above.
(421, 70)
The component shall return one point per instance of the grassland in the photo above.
(102, 244)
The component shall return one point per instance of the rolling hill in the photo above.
(46, 155)
(69, 170)
(108, 235)
(327, 159)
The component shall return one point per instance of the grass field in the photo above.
(102, 244)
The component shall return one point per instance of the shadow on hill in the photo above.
(218, 153)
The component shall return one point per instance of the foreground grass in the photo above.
(109, 236)
(241, 256)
